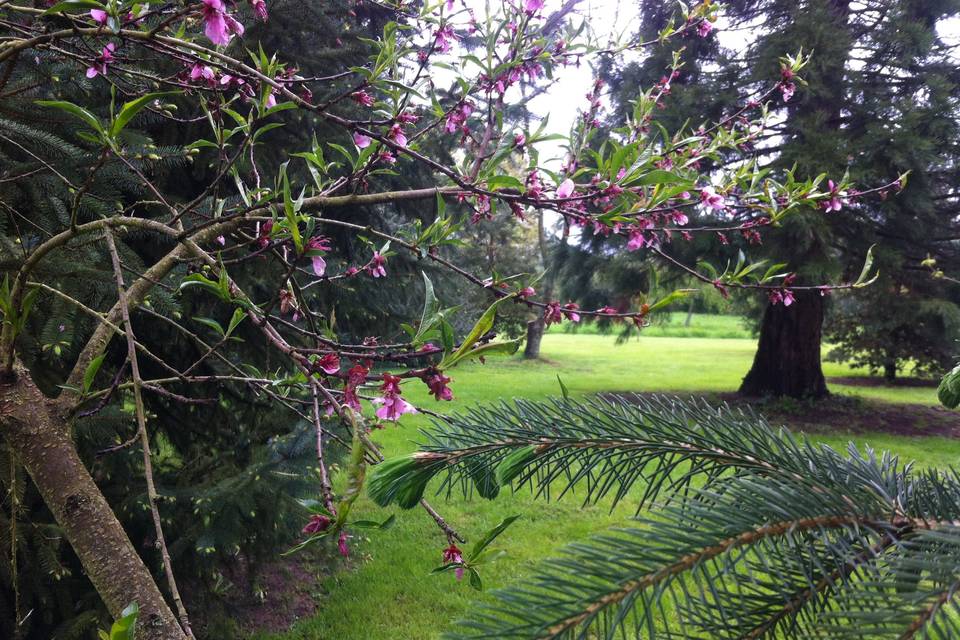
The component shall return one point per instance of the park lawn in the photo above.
(388, 593)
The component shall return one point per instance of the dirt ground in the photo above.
(849, 415)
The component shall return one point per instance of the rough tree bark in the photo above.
(41, 440)
(787, 362)
(535, 329)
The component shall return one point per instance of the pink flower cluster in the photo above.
(220, 26)
(392, 406)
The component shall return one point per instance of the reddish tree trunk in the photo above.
(787, 362)
(42, 444)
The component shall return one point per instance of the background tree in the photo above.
(882, 84)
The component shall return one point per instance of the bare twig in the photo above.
(144, 436)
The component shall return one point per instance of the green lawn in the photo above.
(389, 592)
(673, 324)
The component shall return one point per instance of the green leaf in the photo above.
(511, 466)
(372, 524)
(657, 176)
(91, 372)
(74, 110)
(402, 479)
(504, 182)
(867, 264)
(475, 580)
(490, 536)
(670, 299)
(483, 325)
(132, 108)
(213, 324)
(507, 347)
(123, 628)
(428, 317)
(563, 388)
(238, 316)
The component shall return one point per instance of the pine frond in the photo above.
(754, 534)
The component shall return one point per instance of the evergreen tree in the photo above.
(879, 100)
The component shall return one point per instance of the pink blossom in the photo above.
(453, 555)
(438, 386)
(329, 363)
(607, 311)
(519, 140)
(457, 119)
(712, 199)
(319, 265)
(362, 97)
(534, 186)
(636, 241)
(570, 311)
(397, 135)
(356, 376)
(99, 16)
(532, 6)
(786, 90)
(263, 233)
(408, 118)
(377, 267)
(318, 523)
(222, 241)
(220, 26)
(445, 38)
(259, 9)
(566, 189)
(782, 296)
(704, 28)
(361, 140)
(834, 203)
(342, 544)
(203, 72)
(385, 155)
(679, 218)
(99, 66)
(392, 405)
(527, 292)
(551, 314)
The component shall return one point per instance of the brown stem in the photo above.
(144, 436)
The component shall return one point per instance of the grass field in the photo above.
(389, 593)
(673, 325)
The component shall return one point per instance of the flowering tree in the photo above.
(189, 62)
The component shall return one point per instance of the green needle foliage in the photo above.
(753, 532)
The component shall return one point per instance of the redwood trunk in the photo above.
(787, 362)
(42, 444)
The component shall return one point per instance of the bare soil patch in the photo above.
(872, 381)
(842, 414)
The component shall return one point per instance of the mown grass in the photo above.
(673, 325)
(389, 592)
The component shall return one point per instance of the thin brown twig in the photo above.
(144, 436)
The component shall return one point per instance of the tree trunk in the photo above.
(535, 329)
(787, 362)
(890, 370)
(42, 444)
